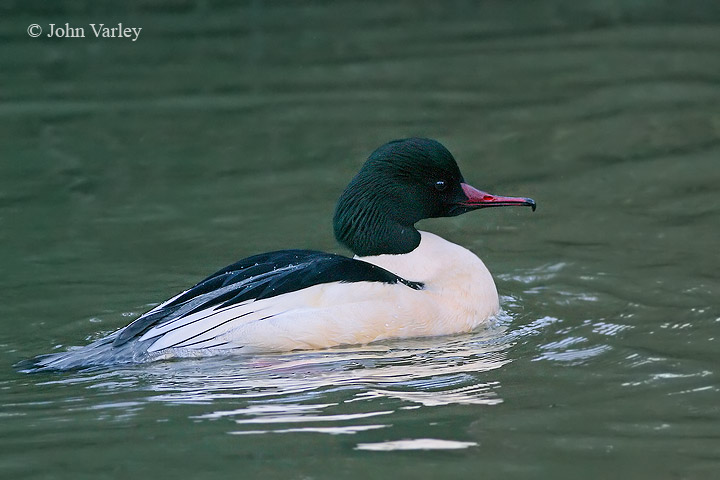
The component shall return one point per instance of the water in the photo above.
(129, 171)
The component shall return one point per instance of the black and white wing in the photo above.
(189, 319)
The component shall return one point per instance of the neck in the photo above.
(366, 228)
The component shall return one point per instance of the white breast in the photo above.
(456, 281)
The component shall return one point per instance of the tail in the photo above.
(99, 353)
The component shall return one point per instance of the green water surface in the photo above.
(131, 170)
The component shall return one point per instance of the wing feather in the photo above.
(193, 316)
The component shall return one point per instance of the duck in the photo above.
(400, 283)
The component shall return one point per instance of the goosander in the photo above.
(401, 282)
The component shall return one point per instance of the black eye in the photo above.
(440, 185)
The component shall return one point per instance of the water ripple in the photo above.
(347, 430)
(416, 444)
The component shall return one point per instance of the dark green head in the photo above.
(401, 183)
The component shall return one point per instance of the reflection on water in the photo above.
(343, 391)
(293, 388)
(416, 444)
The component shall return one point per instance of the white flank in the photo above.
(459, 295)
